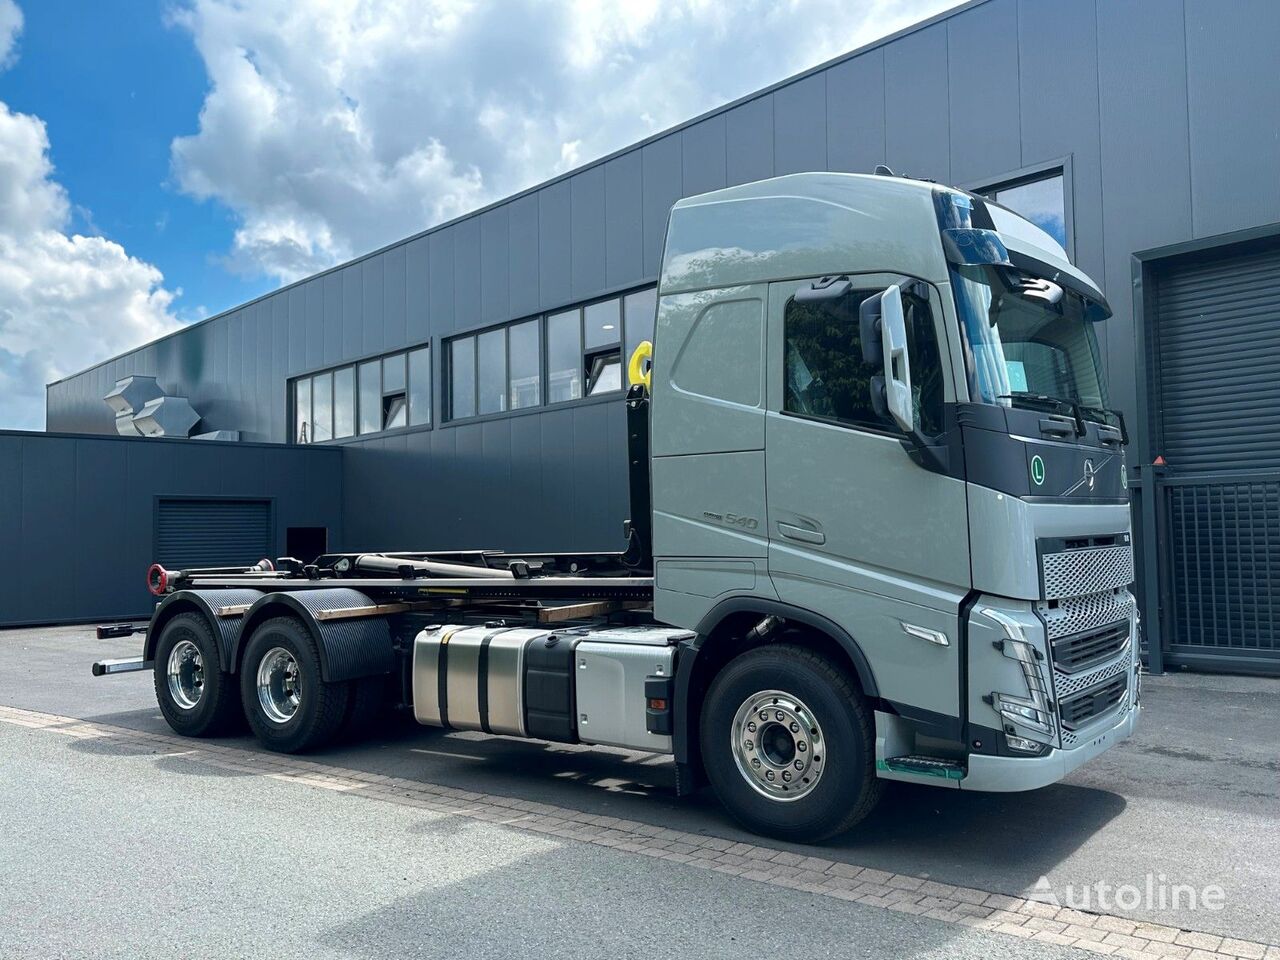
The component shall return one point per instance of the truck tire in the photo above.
(195, 696)
(288, 704)
(788, 744)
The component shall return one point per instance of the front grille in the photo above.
(1092, 702)
(1082, 650)
(1078, 614)
(1072, 573)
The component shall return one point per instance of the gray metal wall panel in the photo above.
(11, 470)
(1145, 159)
(417, 295)
(495, 265)
(1058, 96)
(800, 126)
(49, 532)
(373, 303)
(276, 390)
(300, 332)
(314, 325)
(554, 252)
(525, 494)
(350, 309)
(1234, 112)
(982, 57)
(917, 124)
(624, 221)
(333, 300)
(587, 234)
(855, 113)
(749, 141)
(440, 283)
(466, 275)
(522, 253)
(703, 156)
(661, 161)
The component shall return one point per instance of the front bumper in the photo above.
(1011, 774)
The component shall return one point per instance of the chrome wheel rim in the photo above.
(778, 745)
(185, 671)
(279, 686)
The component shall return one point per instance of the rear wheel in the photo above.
(196, 698)
(788, 744)
(286, 701)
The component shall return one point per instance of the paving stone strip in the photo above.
(1102, 934)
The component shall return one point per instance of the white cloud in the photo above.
(336, 126)
(66, 301)
(10, 28)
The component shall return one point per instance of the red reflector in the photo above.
(655, 704)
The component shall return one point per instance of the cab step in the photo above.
(925, 766)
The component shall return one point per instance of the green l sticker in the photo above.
(1037, 470)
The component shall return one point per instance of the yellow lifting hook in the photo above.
(637, 372)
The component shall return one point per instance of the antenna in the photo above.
(882, 171)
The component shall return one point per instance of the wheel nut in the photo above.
(786, 775)
(764, 714)
(769, 774)
(750, 745)
(799, 764)
(802, 746)
(779, 715)
(751, 726)
(755, 761)
(795, 728)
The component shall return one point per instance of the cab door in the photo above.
(858, 532)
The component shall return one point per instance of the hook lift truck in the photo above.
(879, 531)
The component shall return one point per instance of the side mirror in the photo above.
(883, 329)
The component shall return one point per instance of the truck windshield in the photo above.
(1029, 343)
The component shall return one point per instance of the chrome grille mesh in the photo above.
(1070, 739)
(1065, 686)
(1078, 614)
(1071, 573)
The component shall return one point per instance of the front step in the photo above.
(924, 767)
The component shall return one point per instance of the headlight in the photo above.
(1033, 710)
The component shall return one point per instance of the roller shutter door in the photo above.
(213, 533)
(1218, 363)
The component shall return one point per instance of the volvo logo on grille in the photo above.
(1090, 473)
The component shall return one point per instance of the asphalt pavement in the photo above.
(121, 853)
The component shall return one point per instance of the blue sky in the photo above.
(163, 160)
(115, 82)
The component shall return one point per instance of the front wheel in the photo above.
(788, 744)
(286, 700)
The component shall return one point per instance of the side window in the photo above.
(826, 378)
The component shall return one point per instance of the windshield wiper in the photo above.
(1043, 401)
(1105, 413)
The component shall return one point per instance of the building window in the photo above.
(302, 411)
(575, 353)
(388, 393)
(344, 402)
(370, 397)
(395, 412)
(524, 357)
(420, 386)
(322, 408)
(564, 356)
(1041, 199)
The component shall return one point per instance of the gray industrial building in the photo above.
(465, 382)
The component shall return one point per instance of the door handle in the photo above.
(803, 534)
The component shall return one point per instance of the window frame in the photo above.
(888, 431)
(1060, 166)
(376, 361)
